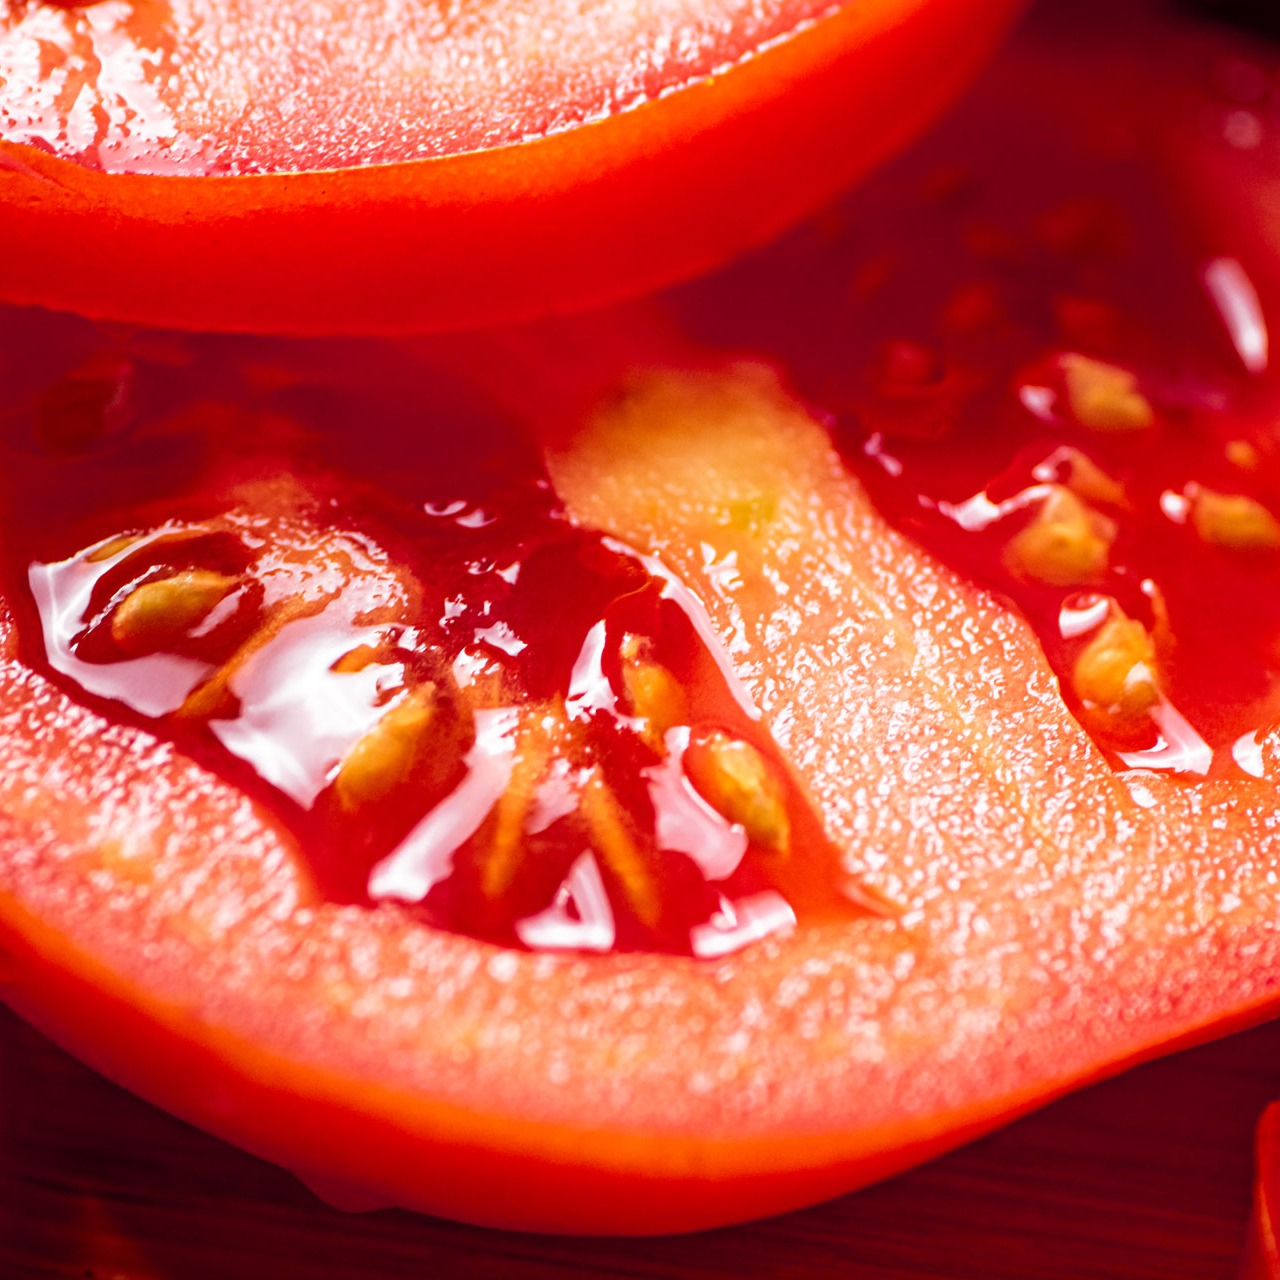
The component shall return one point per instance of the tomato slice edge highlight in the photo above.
(572, 219)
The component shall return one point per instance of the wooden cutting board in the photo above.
(1145, 1176)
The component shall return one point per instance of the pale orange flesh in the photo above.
(198, 86)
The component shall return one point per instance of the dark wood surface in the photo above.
(1145, 1176)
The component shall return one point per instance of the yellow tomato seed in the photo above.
(740, 784)
(158, 614)
(381, 760)
(1242, 454)
(110, 549)
(1117, 670)
(653, 694)
(1066, 544)
(1234, 521)
(1105, 397)
(613, 841)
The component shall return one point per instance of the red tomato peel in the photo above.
(580, 216)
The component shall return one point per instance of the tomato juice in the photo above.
(323, 577)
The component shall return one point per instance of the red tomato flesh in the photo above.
(195, 89)
(416, 169)
(1060, 916)
(502, 691)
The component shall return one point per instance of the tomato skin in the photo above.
(396, 1150)
(575, 218)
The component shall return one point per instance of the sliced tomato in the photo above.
(1020, 915)
(361, 168)
(1061, 919)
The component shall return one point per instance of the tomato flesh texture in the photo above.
(572, 218)
(135, 906)
(1063, 919)
(193, 88)
(451, 694)
(959, 372)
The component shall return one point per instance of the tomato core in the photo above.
(457, 699)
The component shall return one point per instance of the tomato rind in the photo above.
(583, 216)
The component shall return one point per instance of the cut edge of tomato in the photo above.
(568, 220)
(365, 1146)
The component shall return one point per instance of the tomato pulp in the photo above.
(989, 905)
(542, 740)
(368, 168)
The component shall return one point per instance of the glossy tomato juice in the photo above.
(684, 760)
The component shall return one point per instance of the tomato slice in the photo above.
(1058, 917)
(419, 171)
(545, 1090)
